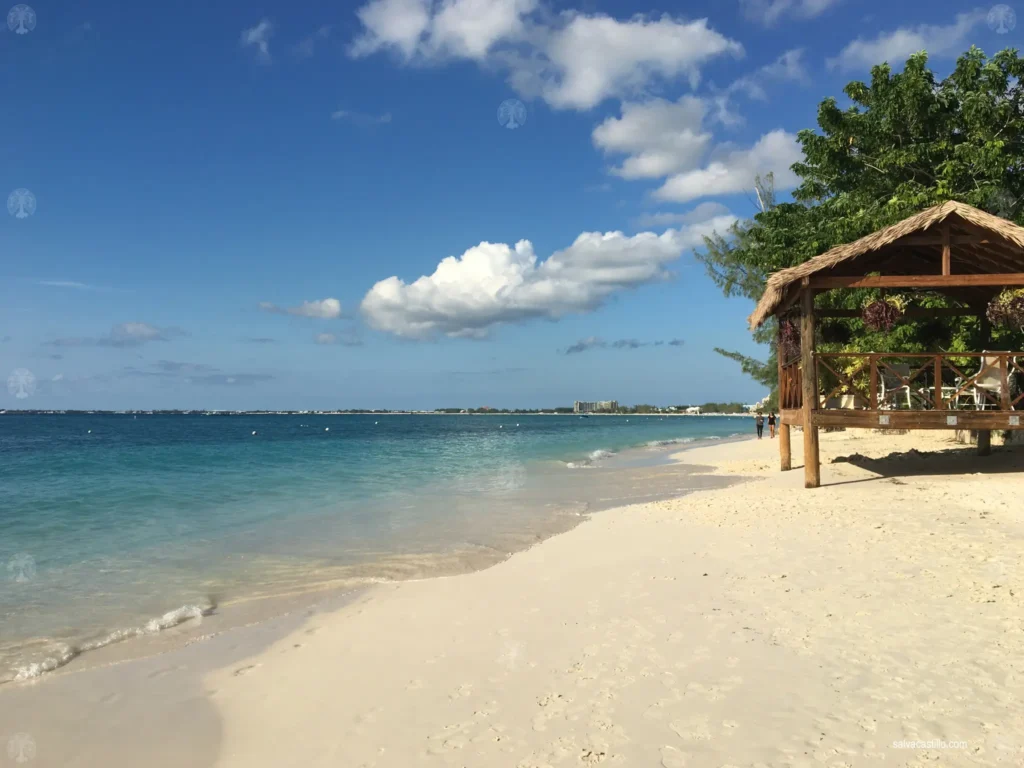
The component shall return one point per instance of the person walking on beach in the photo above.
(759, 423)
(771, 424)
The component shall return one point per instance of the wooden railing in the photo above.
(991, 381)
(790, 383)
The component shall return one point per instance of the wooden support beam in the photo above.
(793, 416)
(832, 314)
(812, 460)
(785, 454)
(898, 419)
(953, 239)
(785, 450)
(985, 436)
(919, 281)
(947, 253)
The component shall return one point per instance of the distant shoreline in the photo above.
(356, 413)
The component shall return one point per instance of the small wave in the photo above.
(673, 441)
(64, 654)
(714, 437)
(600, 453)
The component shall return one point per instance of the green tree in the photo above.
(907, 141)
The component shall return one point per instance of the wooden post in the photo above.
(1004, 382)
(812, 460)
(937, 393)
(947, 256)
(785, 453)
(985, 435)
(873, 363)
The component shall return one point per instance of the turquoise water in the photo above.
(113, 526)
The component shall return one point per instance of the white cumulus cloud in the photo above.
(494, 283)
(572, 60)
(894, 47)
(733, 170)
(596, 57)
(660, 137)
(668, 140)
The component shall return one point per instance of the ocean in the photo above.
(115, 528)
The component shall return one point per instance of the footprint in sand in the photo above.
(161, 672)
(553, 705)
(868, 724)
(461, 692)
(691, 729)
(673, 758)
(414, 685)
(244, 670)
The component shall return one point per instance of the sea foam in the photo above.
(64, 654)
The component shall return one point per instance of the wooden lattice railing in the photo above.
(917, 382)
(790, 383)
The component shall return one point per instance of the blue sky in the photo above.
(315, 205)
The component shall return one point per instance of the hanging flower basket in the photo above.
(883, 314)
(1007, 309)
(789, 338)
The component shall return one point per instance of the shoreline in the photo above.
(182, 625)
(703, 630)
(570, 414)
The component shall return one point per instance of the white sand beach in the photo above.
(757, 625)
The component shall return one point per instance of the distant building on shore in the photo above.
(761, 405)
(693, 410)
(601, 406)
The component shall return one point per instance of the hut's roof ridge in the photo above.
(775, 290)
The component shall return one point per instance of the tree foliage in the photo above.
(906, 141)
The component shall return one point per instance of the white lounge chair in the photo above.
(988, 386)
(894, 393)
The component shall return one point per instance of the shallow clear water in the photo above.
(114, 524)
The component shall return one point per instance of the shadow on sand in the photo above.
(951, 461)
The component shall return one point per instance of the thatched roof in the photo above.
(884, 252)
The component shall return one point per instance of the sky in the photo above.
(405, 203)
